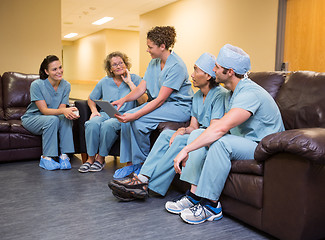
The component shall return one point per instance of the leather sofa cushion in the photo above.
(20, 141)
(4, 126)
(301, 100)
(13, 126)
(247, 167)
(4, 143)
(16, 96)
(270, 81)
(16, 127)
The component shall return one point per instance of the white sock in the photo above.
(64, 156)
(143, 178)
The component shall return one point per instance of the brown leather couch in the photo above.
(16, 143)
(282, 191)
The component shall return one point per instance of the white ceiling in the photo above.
(77, 15)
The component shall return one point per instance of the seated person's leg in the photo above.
(92, 135)
(164, 173)
(214, 174)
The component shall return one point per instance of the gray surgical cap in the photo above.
(234, 58)
(206, 63)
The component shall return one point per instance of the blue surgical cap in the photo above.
(206, 63)
(234, 58)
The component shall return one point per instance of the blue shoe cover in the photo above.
(137, 171)
(125, 171)
(65, 162)
(48, 163)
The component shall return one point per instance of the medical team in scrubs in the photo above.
(170, 93)
(251, 114)
(101, 131)
(158, 169)
(49, 116)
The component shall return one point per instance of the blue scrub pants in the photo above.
(159, 165)
(208, 168)
(50, 126)
(135, 136)
(101, 132)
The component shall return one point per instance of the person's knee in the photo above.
(139, 126)
(166, 134)
(91, 125)
(194, 134)
(52, 121)
(107, 127)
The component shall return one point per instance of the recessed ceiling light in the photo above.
(70, 35)
(103, 20)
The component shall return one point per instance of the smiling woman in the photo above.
(167, 84)
(48, 115)
(101, 131)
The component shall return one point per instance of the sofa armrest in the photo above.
(306, 142)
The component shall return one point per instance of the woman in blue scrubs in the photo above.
(48, 115)
(158, 169)
(167, 84)
(101, 131)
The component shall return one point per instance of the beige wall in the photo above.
(83, 59)
(206, 25)
(30, 30)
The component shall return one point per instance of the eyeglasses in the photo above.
(115, 65)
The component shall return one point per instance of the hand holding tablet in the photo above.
(107, 107)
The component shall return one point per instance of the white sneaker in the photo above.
(201, 213)
(179, 205)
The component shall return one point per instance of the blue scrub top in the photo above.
(43, 90)
(107, 90)
(266, 118)
(212, 108)
(174, 75)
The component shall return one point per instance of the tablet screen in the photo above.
(107, 107)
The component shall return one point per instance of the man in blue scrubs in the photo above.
(251, 114)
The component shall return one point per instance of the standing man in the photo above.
(251, 114)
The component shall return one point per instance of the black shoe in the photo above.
(122, 197)
(129, 187)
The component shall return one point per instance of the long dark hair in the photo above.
(45, 65)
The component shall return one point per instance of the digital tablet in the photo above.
(107, 107)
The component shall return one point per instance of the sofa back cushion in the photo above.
(16, 96)
(270, 81)
(301, 100)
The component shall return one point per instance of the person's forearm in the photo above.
(52, 111)
(134, 94)
(189, 129)
(152, 105)
(209, 135)
(92, 105)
